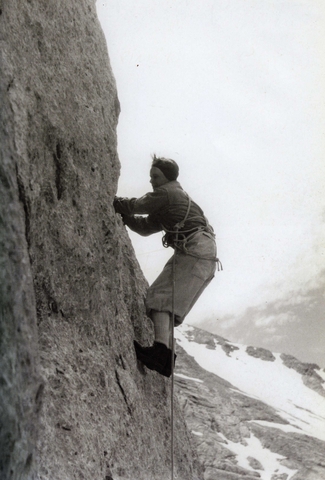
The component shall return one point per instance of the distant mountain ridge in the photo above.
(253, 414)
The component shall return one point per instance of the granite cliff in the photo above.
(74, 402)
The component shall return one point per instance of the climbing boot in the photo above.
(157, 357)
(167, 371)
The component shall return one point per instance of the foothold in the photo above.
(66, 428)
(53, 306)
(29, 460)
(39, 395)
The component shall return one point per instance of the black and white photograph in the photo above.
(162, 240)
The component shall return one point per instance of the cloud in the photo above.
(270, 330)
(276, 339)
(276, 319)
(292, 324)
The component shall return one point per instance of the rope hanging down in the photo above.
(177, 227)
(173, 363)
(179, 245)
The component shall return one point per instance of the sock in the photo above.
(170, 333)
(161, 325)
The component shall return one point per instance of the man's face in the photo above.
(157, 178)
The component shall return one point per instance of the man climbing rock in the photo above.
(169, 208)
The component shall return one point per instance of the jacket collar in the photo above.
(170, 185)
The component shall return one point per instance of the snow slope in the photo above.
(260, 449)
(271, 382)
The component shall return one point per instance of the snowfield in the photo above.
(271, 382)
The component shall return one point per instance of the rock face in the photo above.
(241, 432)
(74, 402)
(309, 376)
(261, 353)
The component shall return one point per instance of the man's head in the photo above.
(163, 170)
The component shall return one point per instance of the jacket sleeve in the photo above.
(149, 203)
(142, 225)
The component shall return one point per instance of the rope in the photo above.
(173, 354)
(177, 227)
(176, 243)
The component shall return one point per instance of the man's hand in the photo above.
(124, 205)
(124, 219)
(116, 203)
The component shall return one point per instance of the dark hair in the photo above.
(168, 166)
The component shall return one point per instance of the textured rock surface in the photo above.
(222, 417)
(75, 403)
(307, 370)
(261, 353)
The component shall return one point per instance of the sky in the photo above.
(234, 92)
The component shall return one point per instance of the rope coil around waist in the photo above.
(178, 241)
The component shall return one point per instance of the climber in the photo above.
(168, 208)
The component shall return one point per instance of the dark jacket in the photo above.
(165, 207)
